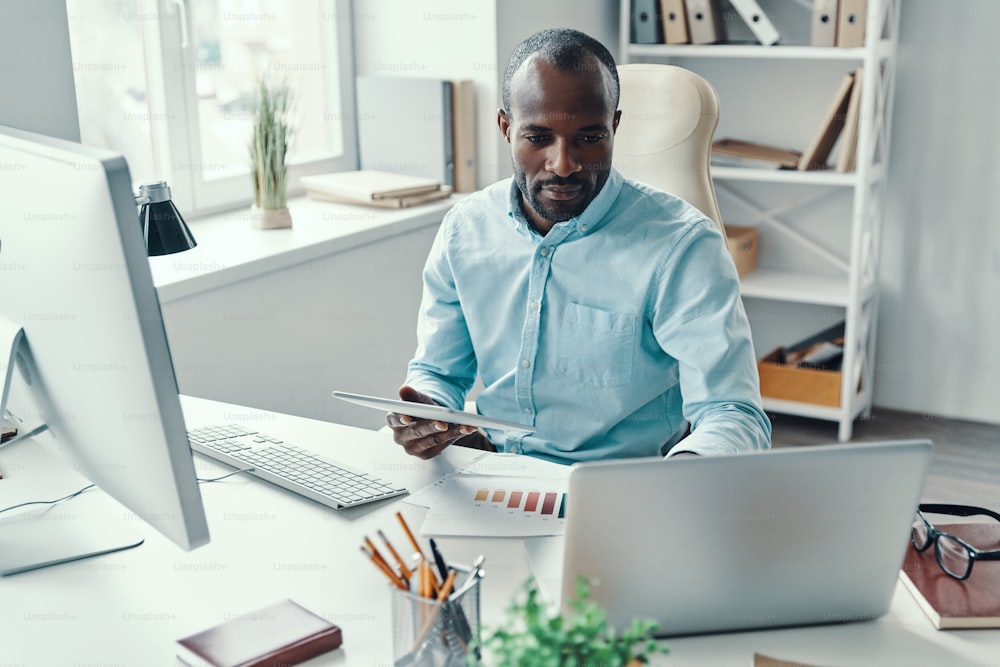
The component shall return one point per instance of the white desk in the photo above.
(128, 608)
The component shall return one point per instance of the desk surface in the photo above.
(129, 608)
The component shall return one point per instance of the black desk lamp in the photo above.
(163, 228)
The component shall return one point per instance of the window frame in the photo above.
(171, 74)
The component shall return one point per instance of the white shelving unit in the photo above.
(820, 231)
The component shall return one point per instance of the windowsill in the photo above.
(230, 250)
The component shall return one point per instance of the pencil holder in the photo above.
(428, 632)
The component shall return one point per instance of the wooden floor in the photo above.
(965, 467)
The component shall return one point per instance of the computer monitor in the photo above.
(36, 69)
(93, 363)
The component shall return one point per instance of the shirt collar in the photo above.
(592, 217)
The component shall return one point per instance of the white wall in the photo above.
(470, 39)
(939, 321)
(284, 340)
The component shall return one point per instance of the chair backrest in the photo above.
(669, 115)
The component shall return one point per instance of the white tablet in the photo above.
(425, 411)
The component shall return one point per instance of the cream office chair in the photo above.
(664, 139)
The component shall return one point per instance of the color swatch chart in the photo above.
(496, 506)
(544, 502)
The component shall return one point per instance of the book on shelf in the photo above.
(818, 151)
(847, 156)
(758, 22)
(736, 152)
(675, 25)
(948, 602)
(283, 633)
(824, 23)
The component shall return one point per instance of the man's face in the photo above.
(561, 136)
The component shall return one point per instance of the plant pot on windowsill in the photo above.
(268, 148)
(270, 218)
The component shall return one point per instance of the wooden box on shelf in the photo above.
(791, 383)
(742, 242)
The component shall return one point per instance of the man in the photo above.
(602, 312)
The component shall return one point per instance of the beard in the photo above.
(590, 184)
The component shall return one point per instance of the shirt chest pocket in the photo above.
(596, 347)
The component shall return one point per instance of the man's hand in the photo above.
(426, 438)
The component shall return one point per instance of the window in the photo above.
(167, 83)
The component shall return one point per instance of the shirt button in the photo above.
(525, 363)
(544, 252)
(527, 411)
(583, 228)
(533, 305)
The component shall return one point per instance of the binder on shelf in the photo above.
(824, 23)
(405, 126)
(646, 28)
(675, 28)
(463, 116)
(851, 19)
(757, 21)
(705, 24)
(816, 154)
(847, 157)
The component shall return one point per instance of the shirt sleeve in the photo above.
(698, 318)
(444, 365)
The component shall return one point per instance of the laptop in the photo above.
(782, 537)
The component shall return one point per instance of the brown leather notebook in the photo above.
(949, 603)
(280, 634)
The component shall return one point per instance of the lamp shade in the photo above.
(163, 228)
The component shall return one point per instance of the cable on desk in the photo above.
(48, 502)
(91, 486)
(202, 480)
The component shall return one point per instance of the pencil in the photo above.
(393, 577)
(409, 535)
(406, 572)
(443, 594)
(377, 554)
(416, 546)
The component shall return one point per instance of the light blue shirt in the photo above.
(608, 335)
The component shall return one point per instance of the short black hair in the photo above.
(565, 49)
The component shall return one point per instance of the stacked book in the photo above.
(840, 122)
(739, 153)
(374, 188)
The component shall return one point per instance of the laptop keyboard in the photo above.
(274, 460)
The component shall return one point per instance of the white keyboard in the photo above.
(310, 475)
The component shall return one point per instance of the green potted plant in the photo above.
(269, 141)
(532, 637)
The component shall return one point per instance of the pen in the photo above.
(439, 559)
(470, 576)
(393, 577)
(406, 572)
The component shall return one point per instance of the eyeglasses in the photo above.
(954, 555)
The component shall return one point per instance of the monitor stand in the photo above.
(88, 525)
(11, 335)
